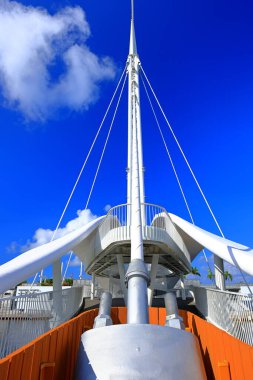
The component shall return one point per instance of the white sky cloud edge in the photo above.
(32, 41)
(44, 235)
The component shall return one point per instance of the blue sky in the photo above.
(199, 58)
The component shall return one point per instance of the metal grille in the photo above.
(232, 312)
(24, 318)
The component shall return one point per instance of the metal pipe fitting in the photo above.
(170, 301)
(137, 280)
(173, 318)
(104, 318)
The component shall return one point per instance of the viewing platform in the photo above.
(160, 237)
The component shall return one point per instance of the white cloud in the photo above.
(45, 63)
(13, 247)
(44, 235)
(75, 262)
(107, 207)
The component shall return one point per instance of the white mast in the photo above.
(134, 101)
(137, 275)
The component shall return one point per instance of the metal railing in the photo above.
(24, 318)
(232, 312)
(116, 225)
(157, 226)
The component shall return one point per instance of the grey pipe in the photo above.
(105, 304)
(104, 314)
(172, 316)
(170, 301)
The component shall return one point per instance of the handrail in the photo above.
(230, 311)
(116, 227)
(25, 317)
(226, 292)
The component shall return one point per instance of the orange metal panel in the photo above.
(114, 315)
(213, 346)
(162, 316)
(53, 345)
(209, 353)
(27, 363)
(45, 348)
(189, 320)
(36, 361)
(199, 329)
(4, 368)
(122, 315)
(91, 316)
(247, 361)
(15, 368)
(183, 314)
(61, 344)
(229, 354)
(153, 316)
(59, 354)
(71, 350)
(47, 371)
(223, 370)
(66, 353)
(237, 360)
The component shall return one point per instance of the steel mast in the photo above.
(137, 276)
(134, 101)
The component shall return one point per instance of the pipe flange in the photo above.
(137, 268)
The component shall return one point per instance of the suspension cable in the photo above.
(106, 141)
(65, 272)
(82, 169)
(101, 158)
(193, 175)
(182, 152)
(172, 164)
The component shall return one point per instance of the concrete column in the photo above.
(57, 289)
(92, 287)
(81, 271)
(183, 287)
(153, 272)
(219, 273)
(121, 269)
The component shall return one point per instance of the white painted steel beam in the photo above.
(32, 261)
(233, 253)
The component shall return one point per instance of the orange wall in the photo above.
(52, 356)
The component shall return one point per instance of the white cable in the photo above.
(82, 168)
(173, 166)
(63, 278)
(193, 175)
(106, 141)
(181, 150)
